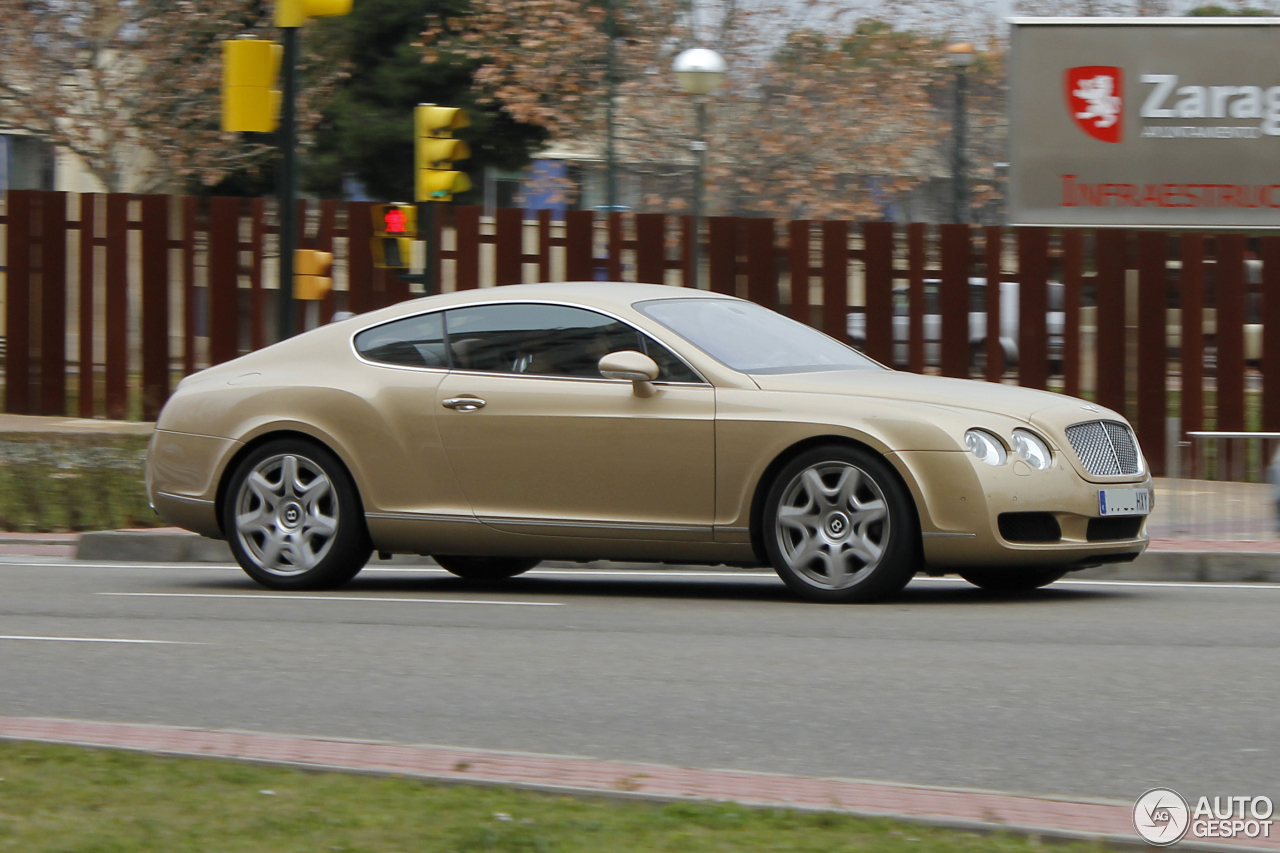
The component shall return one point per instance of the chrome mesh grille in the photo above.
(1106, 448)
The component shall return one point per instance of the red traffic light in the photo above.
(394, 221)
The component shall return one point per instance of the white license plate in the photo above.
(1124, 501)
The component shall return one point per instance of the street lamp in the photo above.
(699, 72)
(960, 57)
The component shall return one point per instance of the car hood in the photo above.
(957, 394)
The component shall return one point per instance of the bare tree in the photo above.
(132, 88)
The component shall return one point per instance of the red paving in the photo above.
(959, 807)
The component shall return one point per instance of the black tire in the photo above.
(303, 531)
(1013, 579)
(486, 569)
(827, 550)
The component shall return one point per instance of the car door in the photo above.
(542, 443)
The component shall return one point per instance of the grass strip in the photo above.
(69, 482)
(77, 800)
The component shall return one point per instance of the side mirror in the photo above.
(635, 367)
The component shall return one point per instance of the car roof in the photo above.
(607, 295)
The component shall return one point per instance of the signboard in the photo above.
(1145, 122)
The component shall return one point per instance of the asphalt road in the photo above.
(1085, 689)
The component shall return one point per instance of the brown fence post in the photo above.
(877, 265)
(798, 261)
(722, 254)
(1112, 261)
(915, 296)
(993, 237)
(190, 208)
(324, 242)
(579, 245)
(953, 299)
(544, 245)
(1072, 282)
(1033, 303)
(224, 270)
(1191, 346)
(359, 257)
(155, 304)
(686, 251)
(1270, 334)
(508, 267)
(762, 268)
(835, 279)
(1153, 299)
(1229, 303)
(117, 306)
(17, 362)
(466, 230)
(651, 247)
(53, 304)
(84, 391)
(613, 263)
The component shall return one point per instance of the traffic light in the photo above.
(394, 227)
(435, 151)
(250, 71)
(294, 13)
(310, 279)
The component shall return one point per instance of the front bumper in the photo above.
(961, 499)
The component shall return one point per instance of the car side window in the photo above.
(414, 341)
(547, 340)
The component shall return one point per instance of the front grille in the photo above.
(1121, 527)
(1029, 527)
(1106, 448)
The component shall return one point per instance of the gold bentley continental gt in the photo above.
(493, 429)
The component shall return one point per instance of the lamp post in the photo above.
(960, 56)
(699, 72)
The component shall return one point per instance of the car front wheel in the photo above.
(839, 526)
(293, 518)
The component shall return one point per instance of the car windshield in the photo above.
(752, 339)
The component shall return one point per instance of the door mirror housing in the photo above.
(634, 367)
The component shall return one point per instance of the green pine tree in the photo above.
(367, 130)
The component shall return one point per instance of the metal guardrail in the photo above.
(1220, 486)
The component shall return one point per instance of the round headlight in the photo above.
(985, 446)
(1032, 450)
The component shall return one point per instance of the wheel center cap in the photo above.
(837, 524)
(291, 515)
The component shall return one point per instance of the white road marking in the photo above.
(255, 595)
(1171, 584)
(101, 640)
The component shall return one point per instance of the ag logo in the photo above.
(1161, 816)
(1095, 99)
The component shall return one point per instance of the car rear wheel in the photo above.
(839, 526)
(1012, 580)
(486, 568)
(293, 518)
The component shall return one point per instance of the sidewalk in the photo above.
(1052, 817)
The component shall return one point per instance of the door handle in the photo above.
(463, 404)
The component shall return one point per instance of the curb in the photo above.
(1046, 817)
(171, 545)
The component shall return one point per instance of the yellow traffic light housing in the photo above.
(395, 220)
(392, 253)
(250, 99)
(435, 151)
(294, 13)
(310, 279)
